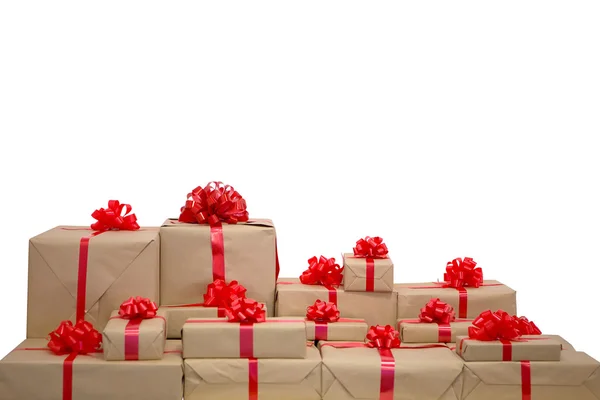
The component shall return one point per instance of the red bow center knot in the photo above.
(138, 307)
(323, 312)
(383, 337)
(214, 203)
(437, 311)
(222, 294)
(322, 271)
(245, 310)
(80, 338)
(370, 247)
(463, 272)
(116, 217)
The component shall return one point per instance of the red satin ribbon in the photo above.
(370, 275)
(437, 311)
(444, 330)
(370, 248)
(213, 203)
(132, 339)
(497, 325)
(463, 272)
(321, 311)
(383, 337)
(322, 271)
(138, 307)
(218, 251)
(222, 294)
(525, 380)
(113, 218)
(245, 310)
(252, 379)
(322, 328)
(82, 275)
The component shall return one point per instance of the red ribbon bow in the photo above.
(113, 218)
(437, 311)
(322, 271)
(221, 294)
(461, 273)
(245, 310)
(526, 327)
(138, 307)
(497, 325)
(371, 247)
(383, 337)
(80, 338)
(214, 203)
(323, 312)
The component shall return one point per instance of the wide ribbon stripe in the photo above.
(525, 380)
(82, 275)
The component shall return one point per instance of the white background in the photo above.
(450, 129)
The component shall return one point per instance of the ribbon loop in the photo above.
(437, 311)
(113, 218)
(497, 325)
(526, 327)
(222, 294)
(245, 310)
(214, 203)
(323, 312)
(370, 247)
(80, 338)
(138, 307)
(322, 271)
(463, 272)
(383, 337)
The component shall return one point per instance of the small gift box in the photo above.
(135, 332)
(368, 269)
(323, 322)
(245, 333)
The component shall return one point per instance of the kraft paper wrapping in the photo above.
(151, 338)
(355, 274)
(424, 374)
(532, 348)
(274, 338)
(119, 264)
(412, 331)
(347, 329)
(411, 300)
(38, 375)
(177, 315)
(575, 377)
(277, 379)
(186, 260)
(375, 308)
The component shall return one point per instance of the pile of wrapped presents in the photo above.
(196, 309)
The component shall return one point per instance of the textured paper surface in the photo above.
(535, 348)
(574, 377)
(152, 338)
(121, 264)
(424, 374)
(355, 274)
(410, 300)
(278, 379)
(186, 260)
(347, 329)
(38, 375)
(374, 308)
(421, 332)
(275, 338)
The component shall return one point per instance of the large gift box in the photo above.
(32, 372)
(77, 273)
(265, 379)
(575, 377)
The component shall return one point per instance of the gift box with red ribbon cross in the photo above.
(368, 268)
(323, 322)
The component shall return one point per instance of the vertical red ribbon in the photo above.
(252, 379)
(462, 302)
(370, 275)
(333, 298)
(320, 330)
(444, 333)
(388, 368)
(506, 350)
(68, 377)
(218, 251)
(82, 275)
(132, 339)
(526, 380)
(246, 340)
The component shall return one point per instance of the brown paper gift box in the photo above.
(38, 375)
(415, 331)
(532, 348)
(186, 260)
(219, 338)
(575, 377)
(375, 308)
(151, 338)
(119, 263)
(412, 297)
(345, 329)
(424, 374)
(271, 379)
(355, 274)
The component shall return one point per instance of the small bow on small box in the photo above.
(322, 271)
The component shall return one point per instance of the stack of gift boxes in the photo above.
(196, 309)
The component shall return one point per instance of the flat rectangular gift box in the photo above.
(415, 331)
(124, 339)
(32, 372)
(76, 272)
(249, 255)
(363, 274)
(345, 329)
(532, 348)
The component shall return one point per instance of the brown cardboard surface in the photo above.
(152, 338)
(355, 274)
(422, 332)
(531, 348)
(347, 329)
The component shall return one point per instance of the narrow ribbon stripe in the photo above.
(68, 376)
(526, 380)
(506, 350)
(82, 275)
(370, 275)
(320, 330)
(218, 251)
(444, 333)
(462, 302)
(388, 368)
(252, 379)
(333, 298)
(132, 339)
(246, 340)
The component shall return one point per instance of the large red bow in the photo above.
(80, 338)
(383, 337)
(371, 247)
(138, 307)
(113, 218)
(437, 311)
(323, 312)
(322, 271)
(214, 203)
(526, 327)
(461, 273)
(221, 294)
(497, 325)
(245, 310)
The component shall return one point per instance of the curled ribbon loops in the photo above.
(323, 312)
(113, 218)
(383, 337)
(526, 327)
(497, 325)
(221, 294)
(138, 307)
(245, 310)
(80, 338)
(214, 203)
(461, 273)
(322, 271)
(371, 247)
(437, 311)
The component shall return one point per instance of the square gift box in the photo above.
(134, 339)
(366, 274)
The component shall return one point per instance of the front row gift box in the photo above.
(525, 348)
(415, 331)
